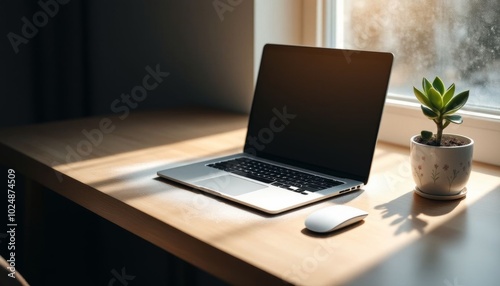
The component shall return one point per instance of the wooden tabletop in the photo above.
(108, 165)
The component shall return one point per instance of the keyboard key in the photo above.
(254, 177)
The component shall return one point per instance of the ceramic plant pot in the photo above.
(441, 172)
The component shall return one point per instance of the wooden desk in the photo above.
(405, 240)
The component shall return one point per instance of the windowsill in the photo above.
(402, 120)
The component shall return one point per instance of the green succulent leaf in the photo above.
(421, 97)
(448, 95)
(426, 135)
(456, 103)
(438, 85)
(455, 118)
(435, 98)
(426, 85)
(429, 112)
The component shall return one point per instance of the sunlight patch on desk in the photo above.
(182, 151)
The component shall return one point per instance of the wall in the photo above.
(278, 22)
(207, 51)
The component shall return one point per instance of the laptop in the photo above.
(311, 132)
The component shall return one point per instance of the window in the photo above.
(457, 40)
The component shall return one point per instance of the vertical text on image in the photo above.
(11, 222)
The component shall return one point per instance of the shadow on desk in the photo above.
(464, 250)
(405, 210)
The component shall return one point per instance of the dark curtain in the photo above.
(44, 60)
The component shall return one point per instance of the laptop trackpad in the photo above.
(230, 185)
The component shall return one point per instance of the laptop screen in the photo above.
(319, 108)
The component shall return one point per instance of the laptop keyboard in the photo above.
(285, 178)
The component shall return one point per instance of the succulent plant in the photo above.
(440, 105)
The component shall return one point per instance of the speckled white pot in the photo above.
(441, 171)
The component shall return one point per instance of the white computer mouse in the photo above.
(333, 218)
